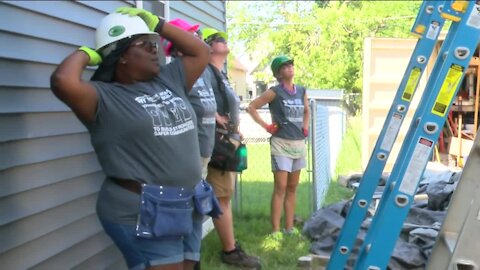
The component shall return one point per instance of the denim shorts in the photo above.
(141, 253)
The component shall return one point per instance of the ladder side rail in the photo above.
(375, 254)
(454, 10)
(398, 110)
(427, 8)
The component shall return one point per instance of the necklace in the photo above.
(290, 92)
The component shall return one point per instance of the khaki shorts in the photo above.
(223, 183)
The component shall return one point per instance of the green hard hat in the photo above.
(208, 32)
(278, 62)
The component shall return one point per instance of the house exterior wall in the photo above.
(49, 174)
(238, 79)
(206, 13)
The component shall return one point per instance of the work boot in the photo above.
(239, 258)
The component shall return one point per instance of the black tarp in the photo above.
(419, 231)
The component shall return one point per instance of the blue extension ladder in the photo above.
(427, 27)
(441, 88)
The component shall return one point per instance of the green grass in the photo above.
(349, 158)
(252, 222)
(252, 218)
(252, 226)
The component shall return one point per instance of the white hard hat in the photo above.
(116, 26)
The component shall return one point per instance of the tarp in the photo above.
(419, 231)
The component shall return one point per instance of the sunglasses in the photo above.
(146, 45)
(220, 39)
(215, 38)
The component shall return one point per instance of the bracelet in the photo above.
(159, 27)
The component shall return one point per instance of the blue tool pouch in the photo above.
(164, 211)
(205, 201)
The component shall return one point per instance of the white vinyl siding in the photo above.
(49, 174)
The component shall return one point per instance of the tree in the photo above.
(326, 40)
(325, 3)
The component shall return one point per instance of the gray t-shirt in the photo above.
(232, 98)
(203, 102)
(287, 111)
(145, 132)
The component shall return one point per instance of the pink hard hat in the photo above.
(182, 24)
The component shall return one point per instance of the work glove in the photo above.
(149, 18)
(95, 58)
(272, 128)
(305, 132)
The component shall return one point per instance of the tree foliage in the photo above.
(324, 37)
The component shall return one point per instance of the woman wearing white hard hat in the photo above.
(143, 130)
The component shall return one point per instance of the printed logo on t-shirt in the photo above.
(170, 114)
(207, 98)
(293, 109)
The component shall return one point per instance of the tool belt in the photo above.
(130, 185)
(167, 211)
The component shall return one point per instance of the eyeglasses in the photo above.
(146, 44)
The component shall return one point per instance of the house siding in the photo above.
(206, 13)
(49, 174)
(238, 80)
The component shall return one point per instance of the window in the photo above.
(161, 9)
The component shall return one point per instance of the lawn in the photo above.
(252, 214)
